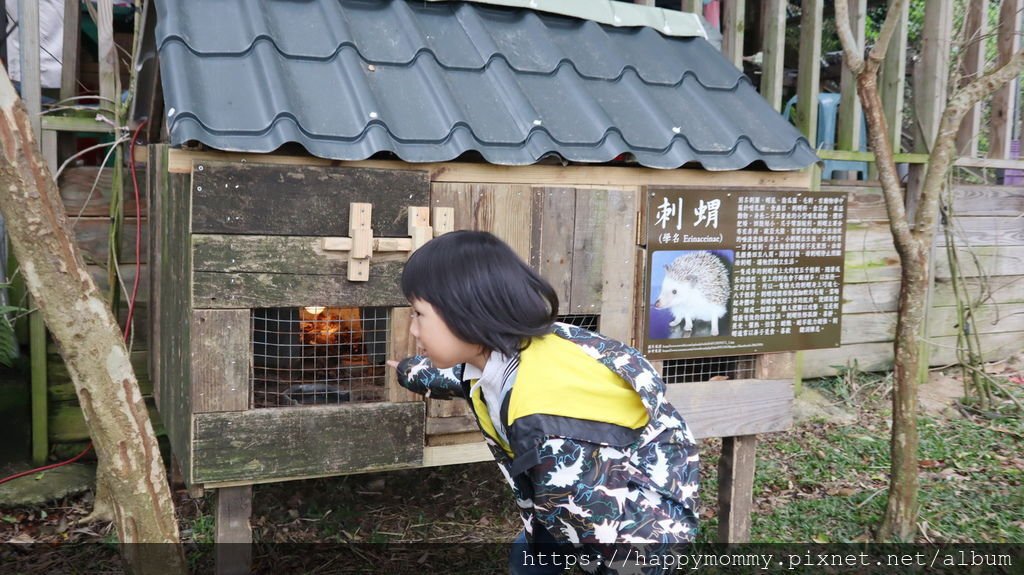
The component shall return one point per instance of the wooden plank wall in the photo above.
(582, 240)
(987, 218)
(171, 298)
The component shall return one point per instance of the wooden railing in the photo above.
(930, 73)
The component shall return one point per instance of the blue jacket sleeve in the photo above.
(418, 375)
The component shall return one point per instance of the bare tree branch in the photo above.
(853, 55)
(867, 86)
(945, 142)
(892, 193)
(877, 54)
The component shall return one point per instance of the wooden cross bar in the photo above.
(361, 245)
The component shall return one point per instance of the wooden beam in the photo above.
(931, 73)
(376, 244)
(236, 446)
(971, 66)
(554, 211)
(810, 69)
(76, 124)
(589, 252)
(618, 266)
(69, 61)
(28, 50)
(589, 176)
(733, 18)
(226, 290)
(434, 456)
(109, 80)
(990, 163)
(870, 156)
(69, 66)
(1004, 100)
(931, 80)
(400, 346)
(31, 92)
(296, 255)
(49, 149)
(735, 488)
(893, 79)
(233, 549)
(361, 234)
(773, 51)
(848, 136)
(448, 425)
(734, 407)
(236, 198)
(710, 410)
(221, 344)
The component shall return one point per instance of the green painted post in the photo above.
(37, 355)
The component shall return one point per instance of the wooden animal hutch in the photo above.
(275, 291)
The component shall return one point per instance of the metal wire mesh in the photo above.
(705, 368)
(586, 321)
(318, 355)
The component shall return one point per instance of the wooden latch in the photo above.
(361, 245)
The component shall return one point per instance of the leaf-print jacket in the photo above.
(604, 478)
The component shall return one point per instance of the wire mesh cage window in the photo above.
(319, 355)
(586, 321)
(706, 368)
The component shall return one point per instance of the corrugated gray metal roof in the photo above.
(348, 79)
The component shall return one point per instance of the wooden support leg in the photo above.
(233, 531)
(735, 488)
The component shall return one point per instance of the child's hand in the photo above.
(392, 363)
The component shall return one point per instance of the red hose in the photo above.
(45, 467)
(138, 233)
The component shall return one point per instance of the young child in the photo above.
(577, 422)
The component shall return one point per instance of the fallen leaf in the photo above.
(21, 538)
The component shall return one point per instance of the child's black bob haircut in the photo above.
(482, 290)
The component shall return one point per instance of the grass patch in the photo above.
(828, 483)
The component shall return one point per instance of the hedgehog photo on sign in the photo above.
(691, 293)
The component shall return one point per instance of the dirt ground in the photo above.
(471, 503)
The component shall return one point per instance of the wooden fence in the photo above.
(987, 217)
(990, 246)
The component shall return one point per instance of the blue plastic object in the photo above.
(828, 117)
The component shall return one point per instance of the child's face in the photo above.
(437, 342)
